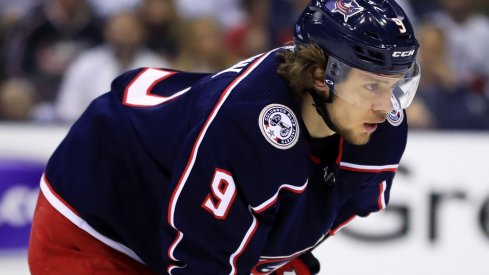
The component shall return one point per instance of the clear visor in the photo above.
(380, 92)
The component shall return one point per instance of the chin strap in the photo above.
(320, 105)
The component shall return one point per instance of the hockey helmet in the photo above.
(372, 36)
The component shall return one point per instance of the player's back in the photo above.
(115, 165)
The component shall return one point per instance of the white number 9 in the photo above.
(399, 23)
(221, 197)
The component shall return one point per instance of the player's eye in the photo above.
(373, 87)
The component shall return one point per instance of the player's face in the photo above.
(364, 102)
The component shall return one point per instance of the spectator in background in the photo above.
(227, 13)
(91, 74)
(467, 40)
(10, 13)
(20, 6)
(282, 14)
(107, 8)
(250, 37)
(202, 47)
(161, 22)
(443, 102)
(406, 5)
(45, 42)
(17, 98)
(17, 8)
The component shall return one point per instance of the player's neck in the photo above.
(315, 124)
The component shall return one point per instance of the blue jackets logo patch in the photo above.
(395, 117)
(348, 8)
(278, 125)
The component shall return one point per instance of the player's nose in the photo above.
(383, 103)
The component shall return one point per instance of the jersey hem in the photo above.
(67, 211)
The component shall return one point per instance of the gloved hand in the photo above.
(305, 264)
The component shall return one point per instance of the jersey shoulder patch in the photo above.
(279, 126)
(395, 117)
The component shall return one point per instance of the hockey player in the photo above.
(242, 171)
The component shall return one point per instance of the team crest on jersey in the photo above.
(279, 126)
(347, 7)
(395, 117)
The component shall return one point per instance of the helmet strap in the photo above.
(320, 105)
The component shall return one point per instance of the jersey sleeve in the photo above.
(373, 196)
(371, 168)
(370, 196)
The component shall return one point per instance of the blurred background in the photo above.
(58, 55)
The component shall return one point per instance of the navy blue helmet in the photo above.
(373, 35)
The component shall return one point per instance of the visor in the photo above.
(371, 90)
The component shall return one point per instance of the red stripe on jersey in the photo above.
(340, 151)
(368, 170)
(315, 159)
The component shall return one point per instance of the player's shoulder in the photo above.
(270, 151)
(258, 85)
(266, 110)
(262, 124)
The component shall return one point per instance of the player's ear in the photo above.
(318, 80)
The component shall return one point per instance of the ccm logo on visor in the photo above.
(403, 54)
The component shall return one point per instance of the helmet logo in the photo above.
(348, 8)
(403, 54)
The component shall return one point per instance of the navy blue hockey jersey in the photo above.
(213, 173)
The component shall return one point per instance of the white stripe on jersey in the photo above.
(242, 246)
(271, 201)
(172, 247)
(65, 210)
(369, 168)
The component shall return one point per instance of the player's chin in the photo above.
(358, 138)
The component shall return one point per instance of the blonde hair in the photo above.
(298, 65)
